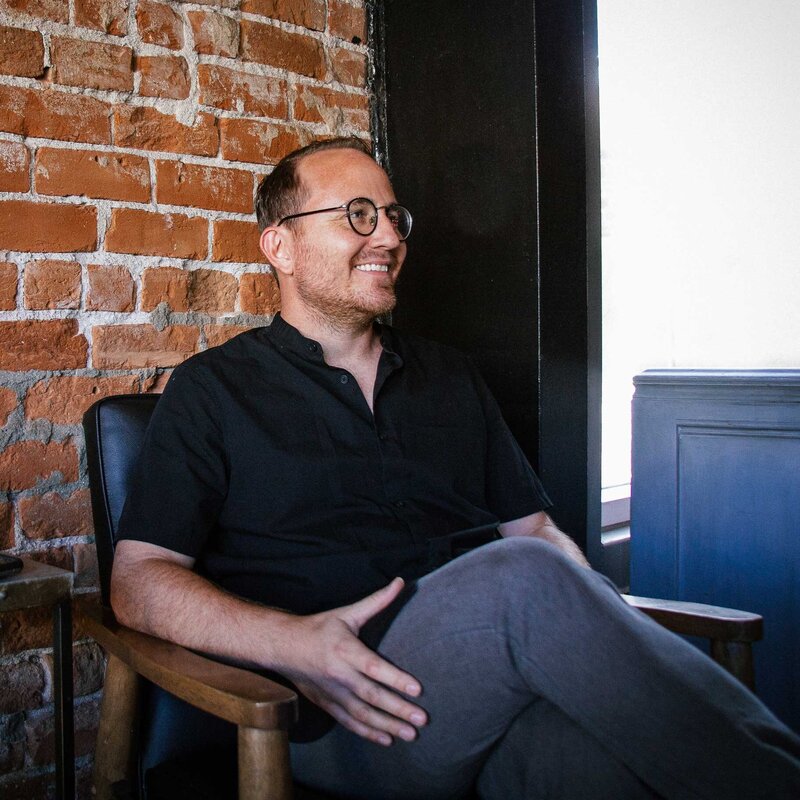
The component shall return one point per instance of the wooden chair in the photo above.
(260, 709)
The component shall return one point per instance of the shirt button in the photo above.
(312, 348)
(344, 378)
(399, 504)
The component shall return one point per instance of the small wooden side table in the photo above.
(42, 585)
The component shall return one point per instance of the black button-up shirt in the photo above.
(267, 466)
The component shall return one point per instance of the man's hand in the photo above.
(154, 590)
(334, 669)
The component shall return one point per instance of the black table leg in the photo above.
(62, 680)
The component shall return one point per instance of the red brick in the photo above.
(8, 402)
(155, 384)
(233, 4)
(50, 114)
(149, 129)
(24, 464)
(92, 173)
(259, 293)
(238, 91)
(51, 516)
(349, 67)
(92, 64)
(6, 526)
(33, 628)
(56, 10)
(150, 234)
(63, 400)
(52, 284)
(138, 346)
(165, 285)
(269, 44)
(164, 76)
(88, 665)
(305, 13)
(22, 685)
(42, 344)
(21, 52)
(159, 24)
(347, 22)
(237, 241)
(214, 34)
(25, 630)
(8, 286)
(55, 555)
(212, 291)
(219, 334)
(335, 109)
(86, 568)
(14, 167)
(183, 184)
(256, 142)
(41, 734)
(109, 16)
(47, 227)
(110, 289)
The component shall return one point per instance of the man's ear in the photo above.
(277, 244)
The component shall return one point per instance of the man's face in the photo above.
(340, 276)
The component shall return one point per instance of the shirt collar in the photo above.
(287, 337)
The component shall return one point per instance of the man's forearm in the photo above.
(154, 590)
(540, 526)
(550, 533)
(171, 602)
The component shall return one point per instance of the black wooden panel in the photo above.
(486, 108)
(462, 152)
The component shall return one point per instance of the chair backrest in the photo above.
(114, 429)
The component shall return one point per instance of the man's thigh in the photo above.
(453, 637)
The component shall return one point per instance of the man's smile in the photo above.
(372, 267)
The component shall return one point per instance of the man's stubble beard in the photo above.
(332, 305)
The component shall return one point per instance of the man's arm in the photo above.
(541, 526)
(155, 591)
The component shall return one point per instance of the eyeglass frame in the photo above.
(346, 207)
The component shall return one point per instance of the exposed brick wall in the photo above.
(132, 136)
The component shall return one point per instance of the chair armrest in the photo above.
(698, 619)
(228, 692)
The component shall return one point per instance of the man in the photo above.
(290, 474)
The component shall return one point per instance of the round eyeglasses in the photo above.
(362, 214)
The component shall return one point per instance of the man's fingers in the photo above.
(369, 663)
(366, 608)
(369, 721)
(391, 706)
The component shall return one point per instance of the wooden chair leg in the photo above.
(264, 771)
(737, 658)
(113, 761)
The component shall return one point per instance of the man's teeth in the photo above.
(373, 267)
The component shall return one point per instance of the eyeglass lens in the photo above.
(363, 216)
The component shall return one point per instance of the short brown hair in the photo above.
(280, 193)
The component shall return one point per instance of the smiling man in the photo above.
(290, 477)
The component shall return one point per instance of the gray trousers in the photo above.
(540, 682)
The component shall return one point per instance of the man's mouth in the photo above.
(372, 267)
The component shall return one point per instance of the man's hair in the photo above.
(281, 193)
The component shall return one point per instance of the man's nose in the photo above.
(385, 234)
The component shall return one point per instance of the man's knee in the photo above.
(525, 556)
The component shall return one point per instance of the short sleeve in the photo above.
(513, 489)
(181, 480)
